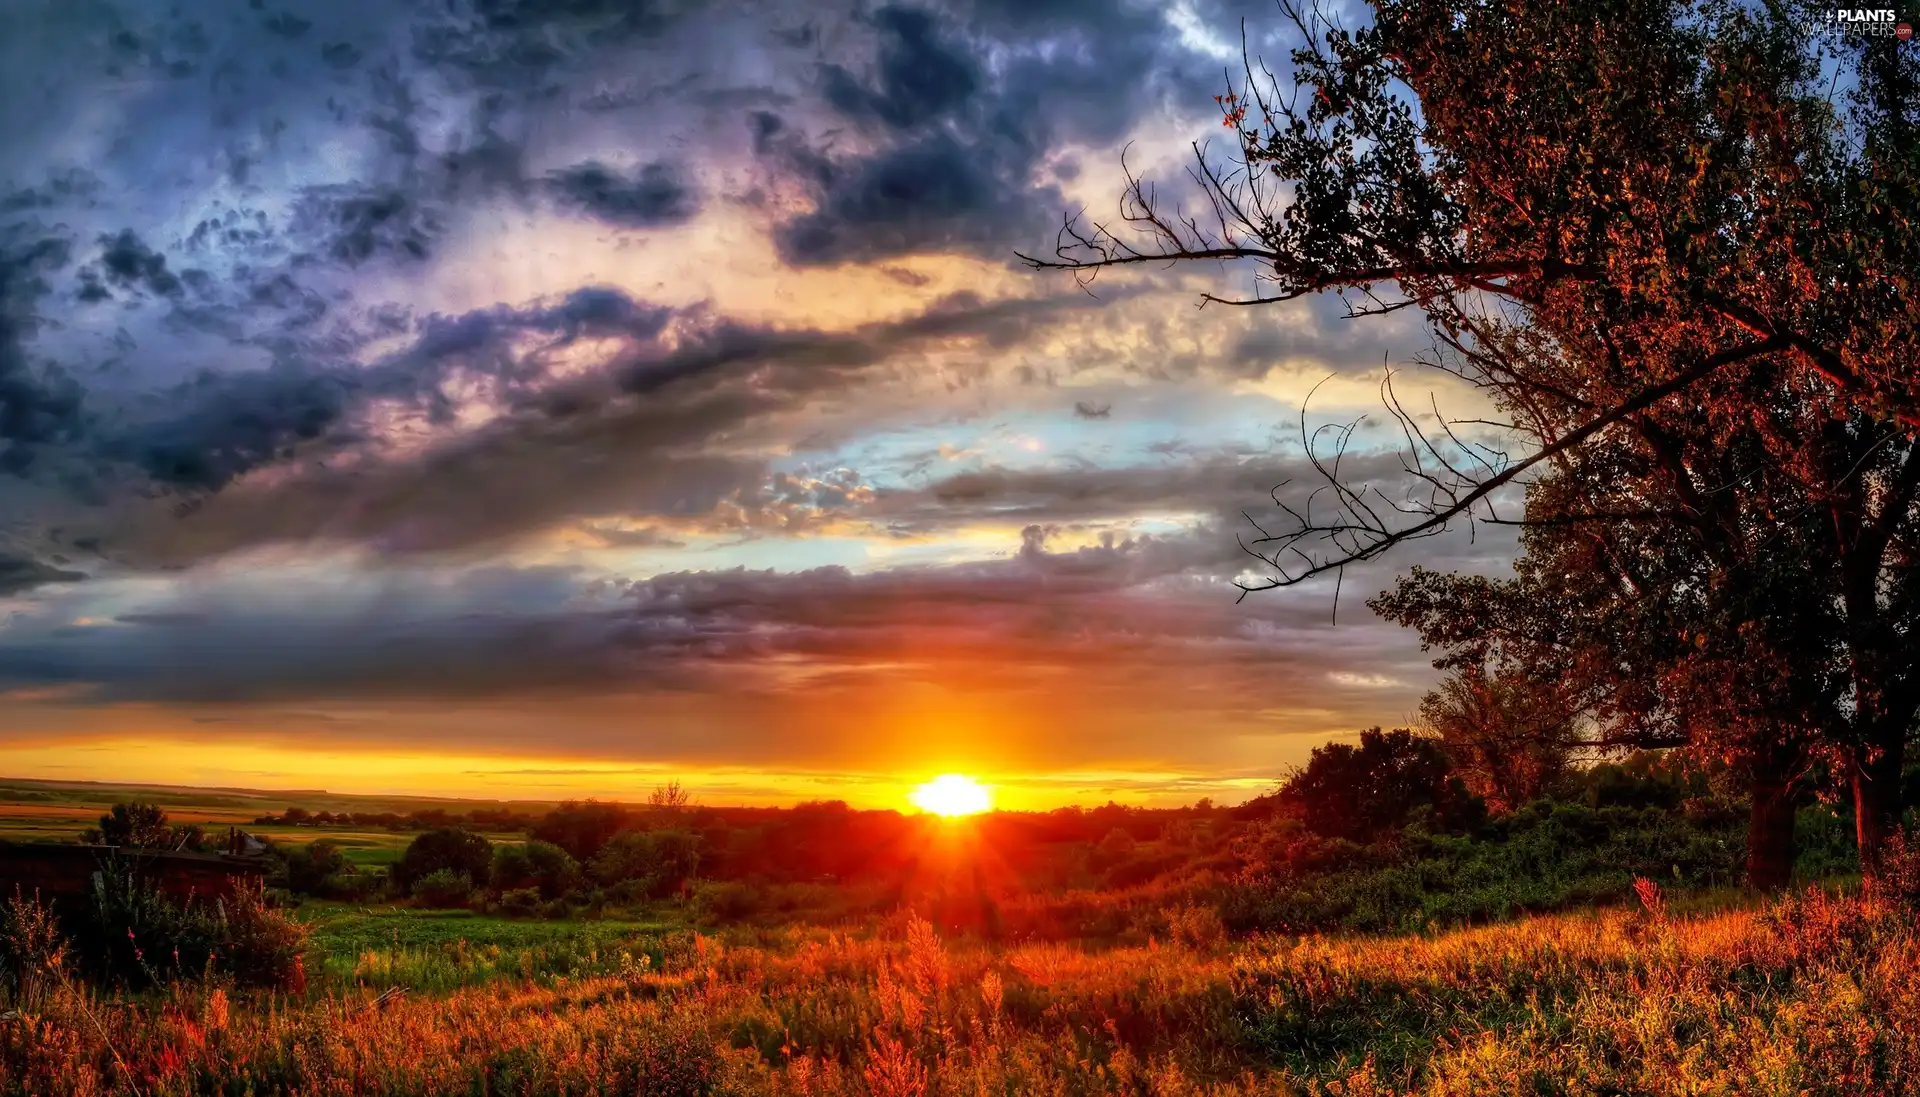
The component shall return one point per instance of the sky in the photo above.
(534, 398)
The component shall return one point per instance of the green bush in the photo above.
(716, 902)
(443, 888)
(352, 887)
(448, 849)
(536, 864)
(655, 863)
(307, 868)
(1546, 856)
(520, 902)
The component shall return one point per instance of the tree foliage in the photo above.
(1511, 736)
(1674, 242)
(581, 827)
(449, 849)
(135, 825)
(1360, 792)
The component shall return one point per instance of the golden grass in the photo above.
(1812, 995)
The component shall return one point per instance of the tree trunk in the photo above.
(1876, 805)
(1770, 833)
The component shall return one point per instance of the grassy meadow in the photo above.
(1808, 995)
(1129, 962)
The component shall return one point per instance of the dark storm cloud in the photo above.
(413, 635)
(657, 194)
(441, 109)
(920, 74)
(230, 423)
(355, 224)
(18, 573)
(221, 425)
(635, 436)
(963, 108)
(39, 405)
(129, 263)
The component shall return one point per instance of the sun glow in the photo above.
(952, 794)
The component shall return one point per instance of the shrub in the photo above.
(257, 944)
(511, 869)
(520, 902)
(657, 863)
(1547, 855)
(443, 888)
(450, 849)
(32, 949)
(353, 887)
(1196, 927)
(536, 864)
(715, 902)
(1899, 879)
(308, 867)
(142, 826)
(1360, 792)
(135, 934)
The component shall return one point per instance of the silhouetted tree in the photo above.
(1664, 614)
(581, 827)
(1363, 792)
(670, 798)
(448, 849)
(143, 826)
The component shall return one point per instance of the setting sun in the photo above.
(952, 794)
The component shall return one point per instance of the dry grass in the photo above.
(1809, 996)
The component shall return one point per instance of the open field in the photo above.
(38, 811)
(194, 804)
(64, 823)
(1807, 996)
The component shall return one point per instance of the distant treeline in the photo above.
(479, 818)
(1382, 833)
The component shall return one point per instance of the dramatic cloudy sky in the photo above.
(527, 397)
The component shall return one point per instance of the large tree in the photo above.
(1650, 637)
(1646, 229)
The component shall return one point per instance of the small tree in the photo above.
(134, 826)
(449, 848)
(142, 826)
(670, 797)
(1363, 792)
(1510, 737)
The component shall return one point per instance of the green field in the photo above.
(187, 804)
(387, 946)
(41, 811)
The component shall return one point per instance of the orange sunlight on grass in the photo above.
(952, 795)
